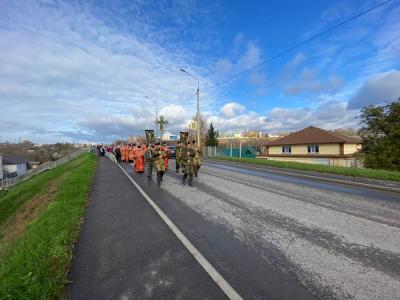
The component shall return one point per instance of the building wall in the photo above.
(15, 169)
(329, 149)
(21, 169)
(351, 148)
(324, 149)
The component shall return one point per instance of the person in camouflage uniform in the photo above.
(159, 159)
(188, 155)
(149, 160)
(178, 150)
(197, 161)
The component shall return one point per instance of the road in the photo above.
(277, 236)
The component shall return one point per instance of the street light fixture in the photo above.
(198, 105)
(155, 101)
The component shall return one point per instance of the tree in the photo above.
(381, 136)
(162, 122)
(346, 131)
(212, 136)
(193, 133)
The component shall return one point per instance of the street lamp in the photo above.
(198, 105)
(155, 101)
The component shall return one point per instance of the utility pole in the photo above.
(198, 113)
(156, 121)
(198, 105)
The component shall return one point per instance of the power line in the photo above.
(299, 44)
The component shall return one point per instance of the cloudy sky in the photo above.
(80, 70)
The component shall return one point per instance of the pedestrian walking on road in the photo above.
(139, 160)
(188, 155)
(149, 160)
(178, 151)
(197, 161)
(117, 153)
(159, 159)
(124, 152)
(166, 149)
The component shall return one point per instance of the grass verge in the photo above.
(355, 172)
(35, 265)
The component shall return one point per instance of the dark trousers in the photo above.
(149, 168)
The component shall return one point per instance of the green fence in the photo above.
(245, 151)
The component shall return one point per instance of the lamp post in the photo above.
(155, 101)
(198, 105)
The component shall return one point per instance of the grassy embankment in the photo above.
(355, 172)
(39, 223)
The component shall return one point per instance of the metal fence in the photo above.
(9, 182)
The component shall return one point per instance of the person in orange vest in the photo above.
(139, 160)
(131, 154)
(124, 153)
(166, 150)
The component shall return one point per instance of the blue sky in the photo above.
(79, 70)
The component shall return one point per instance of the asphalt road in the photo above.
(277, 236)
(126, 251)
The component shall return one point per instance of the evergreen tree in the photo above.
(381, 136)
(212, 136)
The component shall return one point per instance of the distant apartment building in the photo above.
(315, 146)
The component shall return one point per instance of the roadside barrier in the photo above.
(111, 156)
(9, 182)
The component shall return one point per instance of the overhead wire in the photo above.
(297, 45)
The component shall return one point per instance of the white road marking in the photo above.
(211, 271)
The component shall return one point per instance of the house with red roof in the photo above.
(315, 146)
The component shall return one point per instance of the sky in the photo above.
(79, 71)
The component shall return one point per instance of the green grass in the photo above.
(355, 172)
(35, 266)
(11, 200)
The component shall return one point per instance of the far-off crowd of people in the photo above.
(147, 156)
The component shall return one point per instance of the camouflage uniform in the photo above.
(149, 161)
(178, 151)
(188, 155)
(159, 159)
(197, 161)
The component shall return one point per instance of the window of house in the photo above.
(313, 148)
(286, 149)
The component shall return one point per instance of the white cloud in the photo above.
(330, 114)
(307, 82)
(223, 66)
(232, 109)
(66, 72)
(251, 57)
(292, 65)
(239, 38)
(377, 89)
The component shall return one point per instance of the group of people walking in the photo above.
(143, 156)
(188, 159)
(146, 157)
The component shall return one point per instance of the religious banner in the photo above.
(183, 136)
(150, 136)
